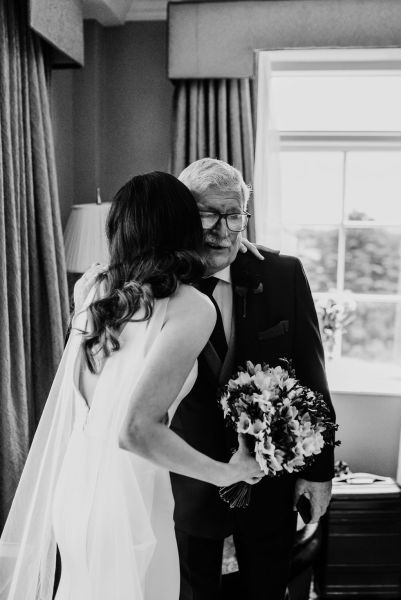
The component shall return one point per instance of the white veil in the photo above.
(123, 484)
(27, 546)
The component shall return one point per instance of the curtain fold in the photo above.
(34, 297)
(213, 117)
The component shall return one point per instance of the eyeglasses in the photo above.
(235, 221)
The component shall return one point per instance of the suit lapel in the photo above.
(248, 301)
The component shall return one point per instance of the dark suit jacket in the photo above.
(275, 317)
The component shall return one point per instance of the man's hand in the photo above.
(318, 494)
(247, 245)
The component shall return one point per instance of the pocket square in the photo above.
(279, 329)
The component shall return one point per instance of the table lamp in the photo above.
(85, 236)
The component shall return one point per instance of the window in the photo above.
(340, 162)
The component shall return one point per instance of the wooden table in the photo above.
(362, 554)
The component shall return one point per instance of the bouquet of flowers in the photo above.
(285, 423)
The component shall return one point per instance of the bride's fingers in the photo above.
(247, 245)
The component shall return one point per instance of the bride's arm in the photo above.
(188, 326)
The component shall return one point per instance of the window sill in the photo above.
(351, 376)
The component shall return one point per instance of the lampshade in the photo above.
(85, 236)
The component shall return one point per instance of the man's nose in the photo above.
(221, 227)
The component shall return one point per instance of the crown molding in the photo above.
(147, 10)
(108, 13)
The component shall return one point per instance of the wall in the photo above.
(369, 430)
(218, 39)
(112, 118)
(138, 102)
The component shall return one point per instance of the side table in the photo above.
(362, 542)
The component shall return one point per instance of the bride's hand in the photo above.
(247, 245)
(244, 466)
(85, 283)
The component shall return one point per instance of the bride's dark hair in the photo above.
(155, 239)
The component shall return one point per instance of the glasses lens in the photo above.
(209, 220)
(237, 222)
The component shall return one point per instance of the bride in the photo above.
(96, 481)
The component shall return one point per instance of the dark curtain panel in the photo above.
(213, 117)
(34, 303)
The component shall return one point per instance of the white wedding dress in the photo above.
(109, 511)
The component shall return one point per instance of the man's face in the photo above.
(220, 244)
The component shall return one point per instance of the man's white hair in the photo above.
(207, 173)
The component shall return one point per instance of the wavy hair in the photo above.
(155, 241)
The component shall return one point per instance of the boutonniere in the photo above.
(243, 290)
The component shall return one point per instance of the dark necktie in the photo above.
(218, 337)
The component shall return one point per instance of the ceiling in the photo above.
(117, 12)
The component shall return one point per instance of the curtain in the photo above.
(267, 180)
(34, 302)
(213, 117)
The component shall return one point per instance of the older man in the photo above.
(265, 312)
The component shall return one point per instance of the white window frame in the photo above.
(343, 62)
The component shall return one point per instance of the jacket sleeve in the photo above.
(309, 365)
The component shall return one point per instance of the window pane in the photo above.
(375, 333)
(317, 249)
(337, 103)
(373, 186)
(312, 187)
(373, 260)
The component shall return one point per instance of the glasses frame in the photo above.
(224, 216)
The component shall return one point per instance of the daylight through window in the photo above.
(340, 161)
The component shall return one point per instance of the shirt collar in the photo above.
(224, 274)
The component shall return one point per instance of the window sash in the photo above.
(345, 142)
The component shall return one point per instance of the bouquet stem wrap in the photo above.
(237, 495)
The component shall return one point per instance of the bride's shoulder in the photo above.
(188, 301)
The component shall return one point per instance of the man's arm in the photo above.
(315, 481)
(309, 366)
